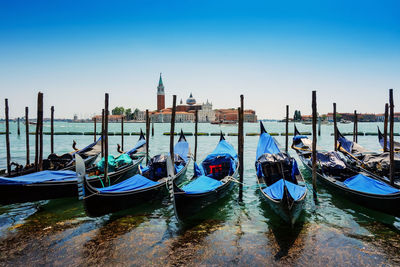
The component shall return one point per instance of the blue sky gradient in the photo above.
(275, 53)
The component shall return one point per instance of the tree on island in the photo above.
(118, 111)
(297, 115)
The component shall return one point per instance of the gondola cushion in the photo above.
(366, 184)
(275, 191)
(201, 184)
(136, 182)
(40, 177)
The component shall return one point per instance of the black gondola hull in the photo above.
(10, 194)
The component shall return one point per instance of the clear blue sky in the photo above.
(274, 52)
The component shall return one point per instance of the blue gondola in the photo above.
(279, 179)
(213, 179)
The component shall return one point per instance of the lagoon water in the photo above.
(331, 232)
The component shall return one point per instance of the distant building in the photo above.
(231, 115)
(206, 113)
(75, 117)
(160, 95)
(111, 118)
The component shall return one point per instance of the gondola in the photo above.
(376, 164)
(50, 184)
(149, 184)
(359, 187)
(212, 180)
(280, 182)
(396, 145)
(59, 162)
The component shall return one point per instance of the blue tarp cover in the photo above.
(122, 159)
(111, 164)
(366, 184)
(138, 145)
(198, 170)
(182, 149)
(39, 177)
(298, 137)
(275, 190)
(266, 144)
(223, 149)
(136, 182)
(346, 144)
(201, 184)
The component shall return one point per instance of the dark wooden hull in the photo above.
(187, 205)
(10, 194)
(98, 204)
(389, 204)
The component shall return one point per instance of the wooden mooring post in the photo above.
(196, 121)
(94, 129)
(385, 127)
(287, 129)
(334, 126)
(106, 138)
(52, 130)
(172, 131)
(319, 125)
(152, 127)
(102, 132)
(391, 142)
(240, 146)
(27, 135)
(7, 138)
(355, 128)
(314, 141)
(122, 133)
(147, 135)
(18, 130)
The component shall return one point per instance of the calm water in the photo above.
(331, 232)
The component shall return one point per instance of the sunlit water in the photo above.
(332, 231)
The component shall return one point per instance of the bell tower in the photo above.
(160, 95)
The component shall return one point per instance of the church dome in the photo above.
(191, 100)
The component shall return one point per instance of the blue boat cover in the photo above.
(266, 144)
(275, 190)
(346, 144)
(136, 182)
(198, 170)
(298, 137)
(111, 164)
(138, 145)
(366, 184)
(223, 149)
(182, 149)
(39, 177)
(201, 184)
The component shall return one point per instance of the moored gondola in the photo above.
(212, 180)
(396, 145)
(280, 182)
(376, 164)
(148, 185)
(56, 162)
(50, 184)
(359, 187)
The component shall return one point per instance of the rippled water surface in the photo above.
(332, 231)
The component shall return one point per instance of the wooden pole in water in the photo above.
(314, 143)
(37, 136)
(391, 142)
(122, 133)
(287, 129)
(319, 125)
(334, 126)
(27, 134)
(385, 127)
(102, 132)
(152, 127)
(240, 146)
(8, 139)
(40, 167)
(52, 130)
(196, 121)
(172, 132)
(18, 131)
(106, 137)
(94, 132)
(147, 136)
(355, 128)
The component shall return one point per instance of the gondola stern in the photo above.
(221, 137)
(182, 136)
(296, 132)
(262, 128)
(142, 137)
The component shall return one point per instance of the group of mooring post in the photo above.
(389, 108)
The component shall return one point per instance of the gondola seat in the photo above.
(276, 190)
(366, 184)
(201, 184)
(136, 182)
